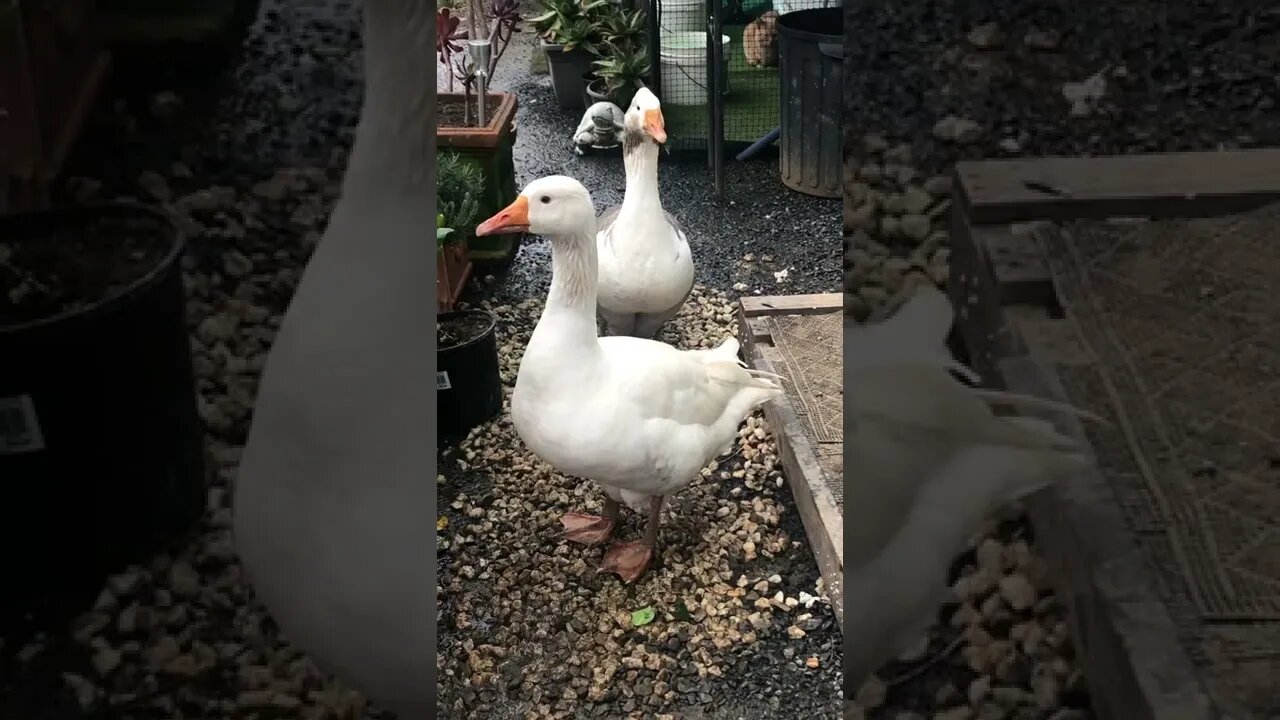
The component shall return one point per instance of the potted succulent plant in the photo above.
(617, 77)
(459, 184)
(468, 384)
(568, 30)
(468, 49)
(468, 381)
(92, 306)
(621, 63)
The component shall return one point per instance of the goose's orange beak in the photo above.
(513, 218)
(655, 125)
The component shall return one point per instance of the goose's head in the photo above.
(553, 206)
(644, 117)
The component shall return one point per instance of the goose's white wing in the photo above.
(905, 415)
(646, 420)
(893, 598)
(916, 334)
(928, 460)
(684, 388)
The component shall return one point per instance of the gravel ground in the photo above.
(530, 629)
(742, 628)
(250, 167)
(939, 82)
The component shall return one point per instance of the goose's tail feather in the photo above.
(763, 374)
(733, 374)
(1032, 402)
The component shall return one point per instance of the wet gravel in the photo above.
(530, 629)
(248, 161)
(247, 157)
(742, 629)
(944, 81)
(939, 82)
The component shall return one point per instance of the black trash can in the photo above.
(810, 60)
(101, 446)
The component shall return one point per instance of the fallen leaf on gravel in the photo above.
(643, 616)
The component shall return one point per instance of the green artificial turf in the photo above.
(750, 108)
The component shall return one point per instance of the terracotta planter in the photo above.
(51, 71)
(453, 269)
(489, 147)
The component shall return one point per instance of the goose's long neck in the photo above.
(640, 158)
(570, 313)
(574, 275)
(390, 157)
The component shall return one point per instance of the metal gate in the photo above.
(734, 108)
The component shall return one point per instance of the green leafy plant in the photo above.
(459, 185)
(622, 72)
(622, 59)
(571, 23)
(442, 232)
(621, 31)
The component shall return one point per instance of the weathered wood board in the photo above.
(799, 337)
(1142, 661)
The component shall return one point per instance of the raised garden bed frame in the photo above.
(1135, 663)
(822, 519)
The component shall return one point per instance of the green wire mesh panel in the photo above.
(750, 71)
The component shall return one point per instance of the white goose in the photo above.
(636, 415)
(646, 267)
(330, 516)
(927, 461)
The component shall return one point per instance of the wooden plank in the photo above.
(1187, 184)
(755, 329)
(1136, 667)
(815, 304)
(1016, 265)
(973, 292)
(823, 522)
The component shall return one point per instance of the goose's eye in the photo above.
(545, 199)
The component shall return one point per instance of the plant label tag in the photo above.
(19, 429)
(442, 381)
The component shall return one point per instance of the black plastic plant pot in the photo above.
(565, 67)
(592, 89)
(101, 446)
(595, 89)
(468, 386)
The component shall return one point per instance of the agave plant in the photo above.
(622, 71)
(571, 23)
(622, 31)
